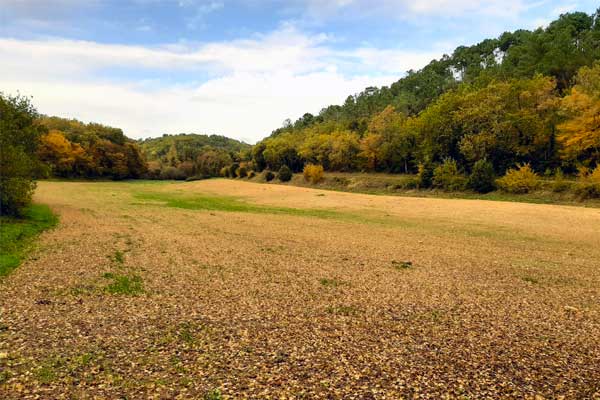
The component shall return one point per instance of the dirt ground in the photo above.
(227, 289)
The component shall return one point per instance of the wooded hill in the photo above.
(186, 155)
(524, 97)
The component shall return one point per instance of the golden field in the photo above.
(227, 289)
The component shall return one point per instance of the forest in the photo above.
(526, 97)
(523, 104)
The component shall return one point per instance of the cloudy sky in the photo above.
(232, 67)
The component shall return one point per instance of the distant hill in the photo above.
(186, 155)
(188, 145)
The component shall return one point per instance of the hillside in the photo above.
(524, 97)
(185, 155)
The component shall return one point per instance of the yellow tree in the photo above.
(580, 133)
(65, 158)
(370, 146)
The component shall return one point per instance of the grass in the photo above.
(131, 285)
(330, 282)
(401, 264)
(17, 235)
(228, 204)
(530, 279)
(233, 204)
(342, 310)
(118, 257)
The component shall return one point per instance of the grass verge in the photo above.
(18, 234)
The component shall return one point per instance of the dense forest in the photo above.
(186, 156)
(526, 97)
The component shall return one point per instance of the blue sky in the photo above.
(232, 67)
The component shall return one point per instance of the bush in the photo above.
(313, 173)
(268, 175)
(224, 172)
(588, 186)
(19, 138)
(242, 172)
(285, 174)
(251, 174)
(482, 177)
(172, 173)
(560, 184)
(446, 176)
(233, 170)
(425, 175)
(522, 180)
(199, 177)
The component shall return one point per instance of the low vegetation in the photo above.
(17, 235)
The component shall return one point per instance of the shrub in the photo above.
(588, 186)
(268, 175)
(172, 173)
(285, 174)
(19, 138)
(242, 172)
(521, 180)
(313, 173)
(446, 176)
(233, 170)
(560, 184)
(224, 172)
(482, 177)
(199, 177)
(251, 174)
(425, 175)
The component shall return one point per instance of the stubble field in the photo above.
(224, 289)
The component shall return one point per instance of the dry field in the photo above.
(224, 289)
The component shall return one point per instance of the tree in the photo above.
(285, 174)
(211, 161)
(19, 138)
(580, 133)
(65, 159)
(482, 177)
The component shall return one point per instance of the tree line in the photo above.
(526, 97)
(33, 146)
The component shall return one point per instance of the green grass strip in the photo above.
(17, 235)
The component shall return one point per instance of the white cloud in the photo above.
(256, 83)
(409, 8)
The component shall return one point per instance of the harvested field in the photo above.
(226, 289)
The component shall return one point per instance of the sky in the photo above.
(237, 68)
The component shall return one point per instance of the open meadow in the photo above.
(228, 289)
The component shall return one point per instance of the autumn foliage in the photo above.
(74, 149)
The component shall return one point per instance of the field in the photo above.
(229, 289)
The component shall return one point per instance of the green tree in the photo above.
(19, 138)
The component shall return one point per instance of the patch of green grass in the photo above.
(342, 310)
(48, 371)
(330, 282)
(214, 394)
(230, 204)
(17, 235)
(233, 204)
(131, 285)
(4, 377)
(401, 264)
(118, 257)
(531, 279)
(185, 333)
